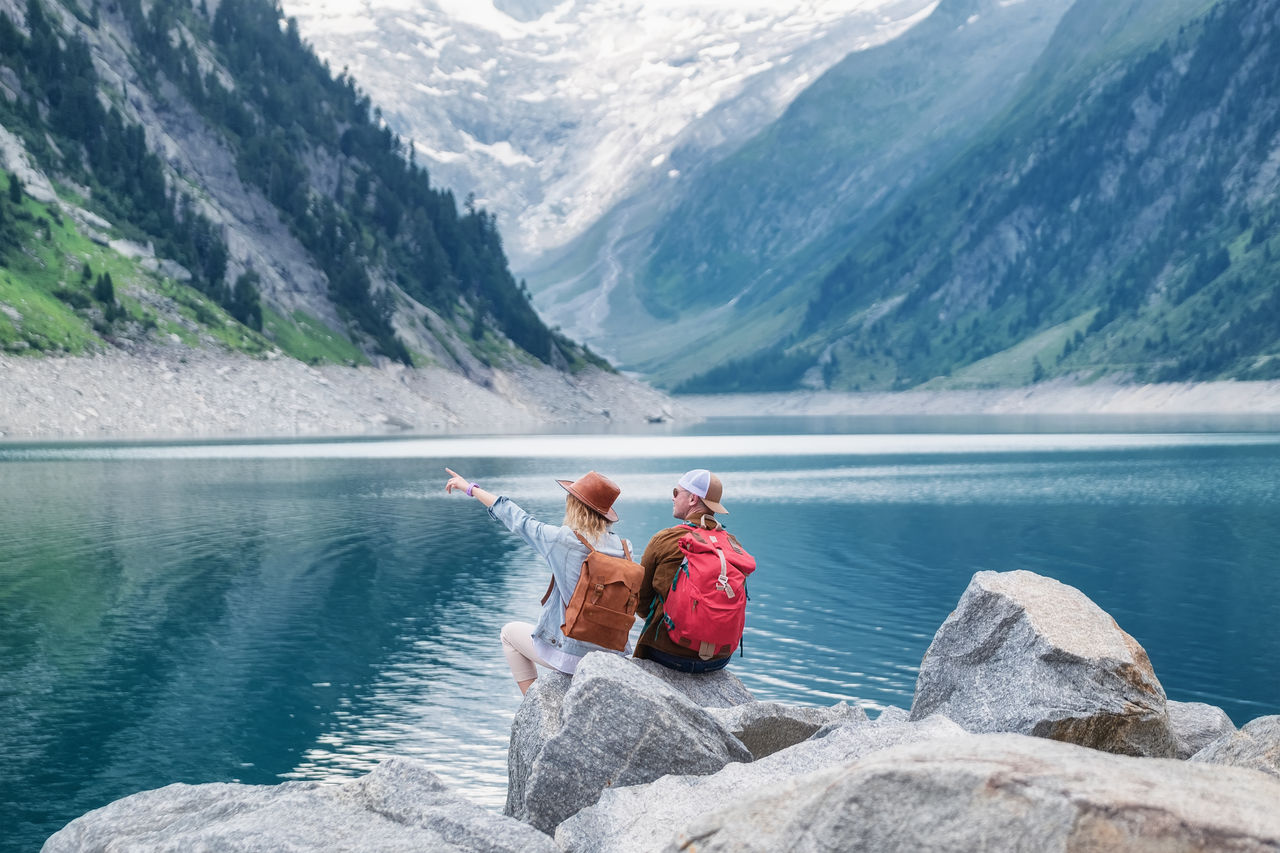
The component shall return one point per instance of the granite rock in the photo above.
(400, 806)
(996, 793)
(1024, 653)
(536, 720)
(645, 817)
(766, 727)
(1256, 746)
(719, 689)
(892, 714)
(619, 726)
(1195, 725)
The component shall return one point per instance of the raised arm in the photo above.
(541, 537)
(462, 484)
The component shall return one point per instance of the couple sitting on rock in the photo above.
(589, 514)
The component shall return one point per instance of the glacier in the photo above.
(550, 113)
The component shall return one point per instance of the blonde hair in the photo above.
(585, 520)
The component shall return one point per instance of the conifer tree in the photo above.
(104, 290)
(246, 303)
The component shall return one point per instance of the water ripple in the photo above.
(304, 611)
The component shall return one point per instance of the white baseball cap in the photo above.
(705, 485)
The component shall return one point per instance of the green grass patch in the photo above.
(1017, 365)
(34, 318)
(48, 305)
(307, 339)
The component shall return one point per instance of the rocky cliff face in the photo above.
(1122, 217)
(194, 154)
(218, 168)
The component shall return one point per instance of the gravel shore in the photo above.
(184, 393)
(1047, 398)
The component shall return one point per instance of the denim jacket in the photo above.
(564, 554)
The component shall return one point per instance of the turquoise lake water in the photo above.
(258, 612)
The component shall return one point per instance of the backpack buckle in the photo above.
(722, 583)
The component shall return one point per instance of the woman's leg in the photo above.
(517, 645)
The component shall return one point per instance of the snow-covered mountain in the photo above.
(551, 113)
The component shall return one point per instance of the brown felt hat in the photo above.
(597, 491)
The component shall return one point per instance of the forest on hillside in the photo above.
(378, 227)
(1127, 225)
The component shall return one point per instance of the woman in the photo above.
(588, 509)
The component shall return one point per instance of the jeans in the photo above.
(685, 664)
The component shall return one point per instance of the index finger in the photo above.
(452, 473)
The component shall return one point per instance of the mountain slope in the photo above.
(214, 164)
(727, 253)
(1127, 226)
(847, 147)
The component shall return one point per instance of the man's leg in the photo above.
(681, 664)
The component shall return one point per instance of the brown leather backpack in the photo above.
(603, 605)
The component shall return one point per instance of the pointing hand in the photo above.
(456, 481)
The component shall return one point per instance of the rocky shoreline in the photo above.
(174, 392)
(1037, 724)
(1057, 397)
(178, 392)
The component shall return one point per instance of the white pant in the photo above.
(517, 645)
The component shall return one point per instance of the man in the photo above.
(694, 501)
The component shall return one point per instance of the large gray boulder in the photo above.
(718, 689)
(645, 817)
(400, 806)
(999, 793)
(538, 717)
(1024, 653)
(619, 725)
(536, 720)
(1195, 725)
(766, 727)
(1256, 746)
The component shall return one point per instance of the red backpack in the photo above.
(706, 608)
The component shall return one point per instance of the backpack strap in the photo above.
(722, 582)
(719, 528)
(626, 549)
(626, 546)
